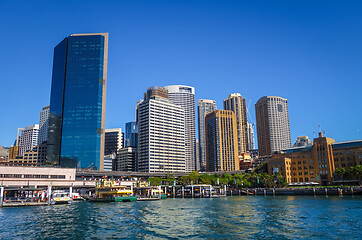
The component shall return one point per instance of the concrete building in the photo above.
(302, 141)
(43, 125)
(236, 103)
(197, 154)
(204, 106)
(251, 137)
(317, 162)
(272, 123)
(13, 152)
(42, 153)
(28, 138)
(113, 140)
(161, 133)
(184, 96)
(221, 141)
(78, 102)
(126, 159)
(131, 135)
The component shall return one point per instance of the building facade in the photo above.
(204, 106)
(272, 123)
(28, 138)
(184, 96)
(43, 124)
(221, 141)
(131, 135)
(251, 136)
(302, 141)
(236, 103)
(113, 140)
(316, 162)
(161, 133)
(126, 159)
(78, 101)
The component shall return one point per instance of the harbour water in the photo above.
(237, 217)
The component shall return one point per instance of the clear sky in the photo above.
(309, 52)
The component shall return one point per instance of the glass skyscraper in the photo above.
(131, 135)
(77, 102)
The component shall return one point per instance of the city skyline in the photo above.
(301, 64)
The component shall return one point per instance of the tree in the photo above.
(194, 177)
(155, 181)
(184, 180)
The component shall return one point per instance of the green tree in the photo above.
(194, 177)
(155, 181)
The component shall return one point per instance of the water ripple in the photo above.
(245, 217)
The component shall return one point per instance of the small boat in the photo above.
(60, 197)
(77, 197)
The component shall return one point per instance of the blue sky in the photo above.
(309, 52)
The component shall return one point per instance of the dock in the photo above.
(23, 204)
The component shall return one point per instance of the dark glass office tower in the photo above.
(77, 102)
(131, 135)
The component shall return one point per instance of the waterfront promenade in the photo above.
(244, 217)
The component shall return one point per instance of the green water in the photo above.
(245, 217)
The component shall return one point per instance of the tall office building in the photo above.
(251, 137)
(131, 135)
(28, 138)
(204, 106)
(43, 125)
(113, 140)
(221, 141)
(161, 133)
(184, 96)
(78, 102)
(126, 159)
(272, 124)
(236, 103)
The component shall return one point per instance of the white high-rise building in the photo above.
(272, 124)
(43, 125)
(28, 138)
(184, 96)
(251, 138)
(204, 106)
(161, 133)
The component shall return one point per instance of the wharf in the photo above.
(297, 191)
(23, 204)
(148, 199)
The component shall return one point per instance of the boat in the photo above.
(77, 197)
(60, 197)
(112, 191)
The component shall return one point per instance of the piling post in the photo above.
(239, 192)
(264, 192)
(326, 192)
(274, 192)
(192, 191)
(159, 192)
(210, 192)
(225, 190)
(174, 191)
(71, 192)
(183, 192)
(2, 195)
(49, 193)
